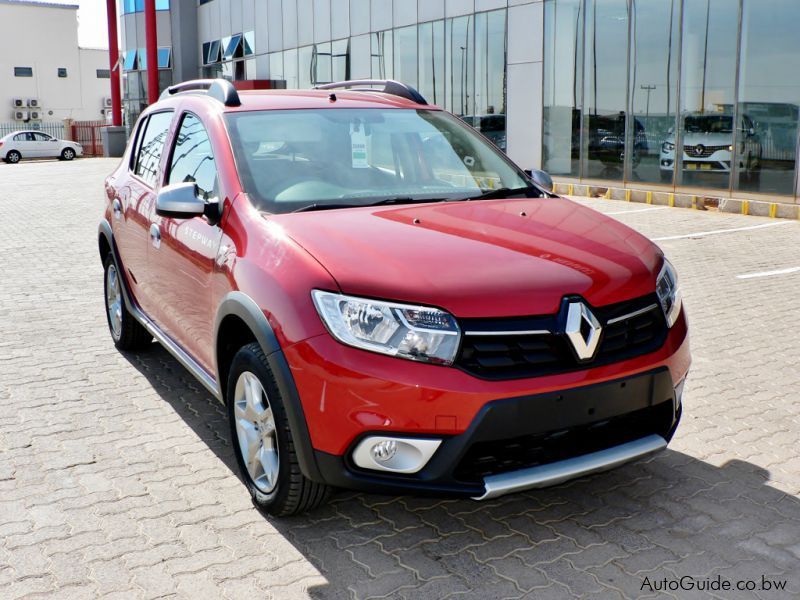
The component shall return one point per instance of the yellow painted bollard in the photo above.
(649, 197)
(745, 207)
(627, 195)
(773, 210)
(570, 187)
(672, 200)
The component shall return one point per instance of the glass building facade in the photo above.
(695, 96)
(458, 63)
(689, 94)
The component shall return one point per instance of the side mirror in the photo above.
(542, 179)
(179, 201)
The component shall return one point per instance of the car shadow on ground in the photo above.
(610, 535)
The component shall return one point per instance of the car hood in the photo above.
(705, 139)
(480, 258)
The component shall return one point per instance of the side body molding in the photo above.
(245, 308)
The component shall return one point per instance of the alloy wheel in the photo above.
(114, 301)
(256, 432)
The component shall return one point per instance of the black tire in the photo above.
(129, 335)
(13, 157)
(292, 493)
(67, 154)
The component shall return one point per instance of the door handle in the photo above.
(155, 236)
(116, 206)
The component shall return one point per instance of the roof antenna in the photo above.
(332, 97)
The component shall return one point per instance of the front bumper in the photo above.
(348, 395)
(535, 441)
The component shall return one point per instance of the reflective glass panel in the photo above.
(276, 66)
(769, 96)
(431, 61)
(321, 61)
(382, 54)
(460, 71)
(290, 68)
(305, 62)
(405, 52)
(563, 86)
(708, 73)
(605, 83)
(655, 31)
(340, 60)
(490, 62)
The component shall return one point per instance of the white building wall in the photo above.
(45, 38)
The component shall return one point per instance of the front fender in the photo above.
(241, 305)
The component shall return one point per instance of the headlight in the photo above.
(402, 330)
(669, 294)
(668, 146)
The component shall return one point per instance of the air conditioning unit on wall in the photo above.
(17, 102)
(35, 115)
(34, 103)
(20, 115)
(107, 102)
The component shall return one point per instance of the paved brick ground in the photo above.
(116, 475)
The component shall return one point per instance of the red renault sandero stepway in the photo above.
(382, 300)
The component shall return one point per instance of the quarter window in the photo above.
(149, 153)
(23, 71)
(193, 159)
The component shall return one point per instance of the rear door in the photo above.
(25, 143)
(136, 198)
(183, 263)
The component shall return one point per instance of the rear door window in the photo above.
(193, 159)
(151, 147)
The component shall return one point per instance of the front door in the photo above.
(183, 261)
(45, 145)
(133, 204)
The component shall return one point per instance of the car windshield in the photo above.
(329, 158)
(709, 124)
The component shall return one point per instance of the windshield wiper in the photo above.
(502, 193)
(323, 206)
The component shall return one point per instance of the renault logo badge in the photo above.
(583, 330)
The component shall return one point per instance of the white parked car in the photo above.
(35, 144)
(708, 147)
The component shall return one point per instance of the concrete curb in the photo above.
(759, 208)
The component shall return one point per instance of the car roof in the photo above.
(297, 100)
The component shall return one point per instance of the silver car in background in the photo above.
(35, 144)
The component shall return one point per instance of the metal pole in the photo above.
(648, 88)
(151, 44)
(114, 63)
(705, 61)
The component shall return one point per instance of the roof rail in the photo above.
(390, 86)
(219, 89)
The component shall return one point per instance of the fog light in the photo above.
(394, 454)
(384, 451)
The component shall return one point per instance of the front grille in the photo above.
(508, 354)
(502, 456)
(702, 151)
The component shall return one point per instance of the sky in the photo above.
(92, 27)
(92, 24)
